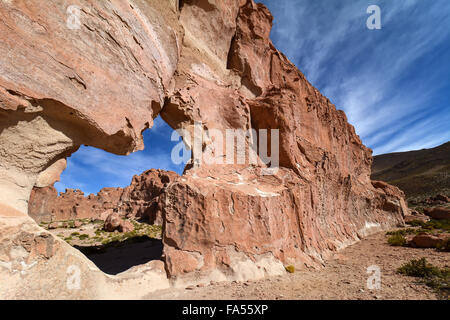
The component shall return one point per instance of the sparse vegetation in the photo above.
(397, 240)
(83, 236)
(290, 268)
(418, 268)
(402, 232)
(438, 279)
(432, 225)
(102, 239)
(420, 174)
(398, 237)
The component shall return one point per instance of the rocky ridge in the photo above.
(139, 200)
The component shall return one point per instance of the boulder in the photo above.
(115, 223)
(77, 224)
(112, 223)
(438, 213)
(418, 217)
(53, 225)
(126, 226)
(425, 240)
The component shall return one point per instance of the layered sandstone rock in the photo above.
(201, 62)
(139, 200)
(425, 240)
(142, 198)
(439, 213)
(115, 223)
(235, 222)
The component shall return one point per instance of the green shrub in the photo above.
(443, 225)
(83, 236)
(290, 268)
(419, 268)
(438, 279)
(416, 223)
(397, 240)
(402, 232)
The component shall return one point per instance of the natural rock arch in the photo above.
(102, 85)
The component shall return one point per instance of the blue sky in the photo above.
(392, 83)
(90, 169)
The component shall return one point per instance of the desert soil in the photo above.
(343, 277)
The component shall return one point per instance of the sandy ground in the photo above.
(344, 277)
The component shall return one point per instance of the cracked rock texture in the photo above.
(204, 61)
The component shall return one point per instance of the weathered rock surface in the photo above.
(209, 62)
(438, 213)
(427, 241)
(140, 200)
(233, 222)
(417, 217)
(115, 223)
(100, 85)
(46, 205)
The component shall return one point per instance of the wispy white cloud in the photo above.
(371, 74)
(91, 169)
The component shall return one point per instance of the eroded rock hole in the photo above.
(109, 207)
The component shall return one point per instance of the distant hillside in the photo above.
(419, 174)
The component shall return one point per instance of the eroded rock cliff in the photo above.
(139, 200)
(209, 62)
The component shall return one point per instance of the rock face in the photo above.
(232, 222)
(140, 199)
(98, 83)
(427, 241)
(46, 205)
(115, 223)
(194, 62)
(439, 213)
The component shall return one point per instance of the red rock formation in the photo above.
(439, 213)
(115, 223)
(211, 63)
(424, 240)
(140, 199)
(233, 222)
(45, 205)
